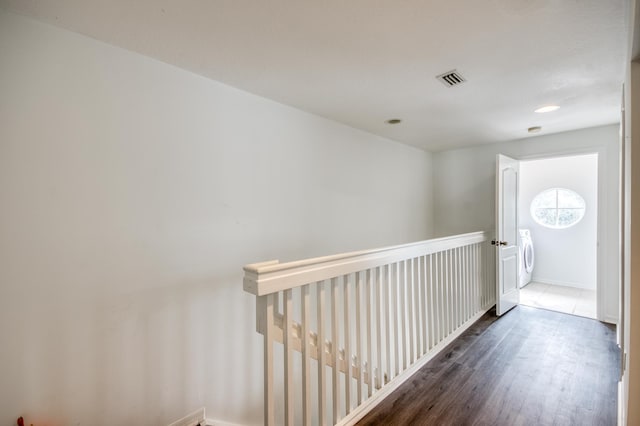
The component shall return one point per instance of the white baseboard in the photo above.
(193, 419)
(621, 408)
(610, 319)
(561, 283)
(213, 422)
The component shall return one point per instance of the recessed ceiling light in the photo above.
(534, 129)
(547, 108)
(394, 121)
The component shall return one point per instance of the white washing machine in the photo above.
(527, 257)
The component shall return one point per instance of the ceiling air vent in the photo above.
(451, 78)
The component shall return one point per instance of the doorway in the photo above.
(558, 214)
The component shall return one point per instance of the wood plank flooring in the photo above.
(529, 367)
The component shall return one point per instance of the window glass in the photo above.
(546, 199)
(558, 208)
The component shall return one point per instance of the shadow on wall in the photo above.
(464, 193)
(106, 360)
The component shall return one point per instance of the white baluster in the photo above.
(479, 275)
(458, 286)
(454, 289)
(379, 318)
(487, 269)
(417, 306)
(322, 356)
(409, 277)
(402, 309)
(368, 336)
(388, 317)
(469, 264)
(467, 293)
(306, 356)
(269, 334)
(445, 290)
(442, 311)
(396, 327)
(480, 279)
(437, 308)
(335, 342)
(359, 363)
(459, 269)
(445, 293)
(483, 266)
(475, 279)
(431, 303)
(347, 345)
(288, 359)
(483, 263)
(425, 304)
(450, 294)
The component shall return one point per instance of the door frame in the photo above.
(603, 245)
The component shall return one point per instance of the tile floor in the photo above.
(569, 300)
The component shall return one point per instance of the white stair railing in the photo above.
(354, 326)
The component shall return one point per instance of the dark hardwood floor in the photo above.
(529, 367)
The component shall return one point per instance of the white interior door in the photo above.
(506, 242)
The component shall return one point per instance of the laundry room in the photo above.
(559, 233)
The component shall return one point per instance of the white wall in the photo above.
(562, 256)
(464, 192)
(132, 193)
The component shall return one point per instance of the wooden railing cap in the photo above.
(268, 277)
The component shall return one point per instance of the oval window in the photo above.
(558, 208)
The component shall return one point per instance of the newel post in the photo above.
(265, 326)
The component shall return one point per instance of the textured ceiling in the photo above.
(361, 62)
